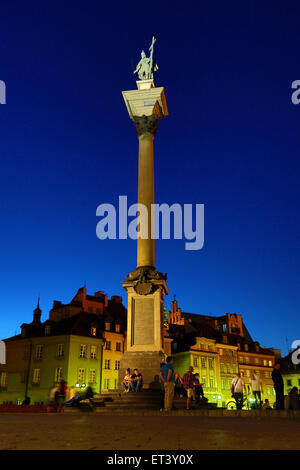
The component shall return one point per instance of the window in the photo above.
(3, 382)
(204, 381)
(107, 364)
(81, 375)
(234, 368)
(247, 360)
(221, 352)
(117, 327)
(299, 382)
(211, 383)
(195, 361)
(267, 374)
(116, 383)
(289, 383)
(90, 309)
(210, 363)
(117, 365)
(92, 376)
(36, 376)
(210, 347)
(222, 365)
(270, 363)
(93, 331)
(39, 351)
(256, 360)
(58, 374)
(60, 350)
(228, 367)
(106, 384)
(225, 328)
(229, 384)
(82, 352)
(118, 346)
(223, 384)
(202, 346)
(268, 391)
(265, 362)
(107, 326)
(203, 361)
(47, 330)
(108, 345)
(93, 352)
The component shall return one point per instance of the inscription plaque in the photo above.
(143, 321)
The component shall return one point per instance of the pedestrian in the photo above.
(198, 387)
(136, 381)
(126, 381)
(188, 383)
(178, 386)
(60, 396)
(293, 400)
(266, 405)
(256, 385)
(168, 377)
(52, 401)
(26, 401)
(237, 387)
(278, 386)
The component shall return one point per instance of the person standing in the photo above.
(256, 385)
(237, 387)
(168, 377)
(278, 386)
(188, 383)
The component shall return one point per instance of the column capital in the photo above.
(145, 124)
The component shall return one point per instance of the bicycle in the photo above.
(231, 405)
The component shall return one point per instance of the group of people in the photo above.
(188, 386)
(289, 402)
(132, 382)
(61, 395)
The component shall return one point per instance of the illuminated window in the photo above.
(228, 367)
(222, 365)
(39, 351)
(210, 363)
(36, 376)
(92, 376)
(195, 361)
(106, 384)
(247, 359)
(108, 345)
(210, 347)
(223, 384)
(3, 381)
(211, 383)
(81, 375)
(265, 362)
(270, 363)
(117, 327)
(93, 352)
(107, 326)
(107, 364)
(117, 365)
(93, 331)
(202, 346)
(267, 374)
(60, 350)
(82, 352)
(203, 361)
(58, 374)
(118, 346)
(256, 360)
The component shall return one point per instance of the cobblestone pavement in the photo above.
(93, 431)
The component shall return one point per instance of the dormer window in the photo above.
(93, 331)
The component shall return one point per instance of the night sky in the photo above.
(230, 142)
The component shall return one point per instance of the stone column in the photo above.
(146, 127)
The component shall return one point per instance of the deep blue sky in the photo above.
(231, 141)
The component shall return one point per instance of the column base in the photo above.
(147, 363)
